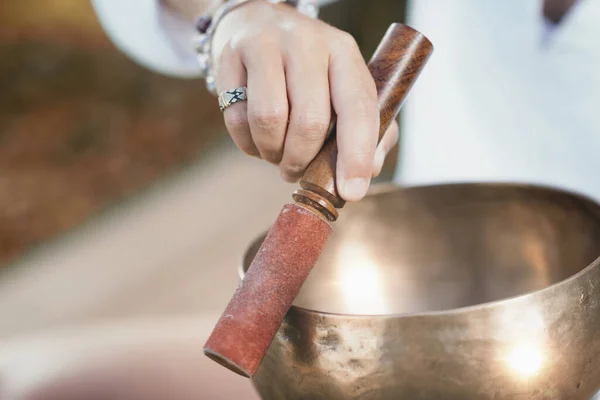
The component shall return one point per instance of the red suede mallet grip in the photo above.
(248, 325)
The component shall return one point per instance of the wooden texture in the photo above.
(395, 67)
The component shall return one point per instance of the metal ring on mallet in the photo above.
(252, 318)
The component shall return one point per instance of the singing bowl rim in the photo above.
(390, 187)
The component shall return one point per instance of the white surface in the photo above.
(504, 100)
(151, 35)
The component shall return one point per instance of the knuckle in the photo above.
(304, 36)
(236, 121)
(289, 179)
(293, 168)
(268, 37)
(261, 40)
(271, 154)
(346, 40)
(269, 120)
(248, 147)
(312, 128)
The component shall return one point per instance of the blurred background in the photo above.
(121, 193)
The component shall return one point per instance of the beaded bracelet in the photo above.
(206, 25)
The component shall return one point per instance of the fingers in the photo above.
(310, 109)
(232, 74)
(296, 69)
(389, 140)
(267, 98)
(354, 98)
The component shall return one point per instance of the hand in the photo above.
(297, 70)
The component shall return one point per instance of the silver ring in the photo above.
(229, 97)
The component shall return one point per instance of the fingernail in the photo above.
(355, 188)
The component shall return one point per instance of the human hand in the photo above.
(297, 71)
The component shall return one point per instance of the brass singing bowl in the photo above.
(463, 291)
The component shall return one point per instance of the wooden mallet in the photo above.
(248, 325)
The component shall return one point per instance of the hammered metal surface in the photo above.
(466, 291)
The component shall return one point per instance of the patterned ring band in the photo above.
(229, 97)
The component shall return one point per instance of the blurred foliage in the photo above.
(82, 126)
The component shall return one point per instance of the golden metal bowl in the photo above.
(447, 292)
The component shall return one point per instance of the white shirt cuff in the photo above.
(150, 34)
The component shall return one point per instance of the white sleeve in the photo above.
(150, 34)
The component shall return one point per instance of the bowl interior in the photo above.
(441, 247)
